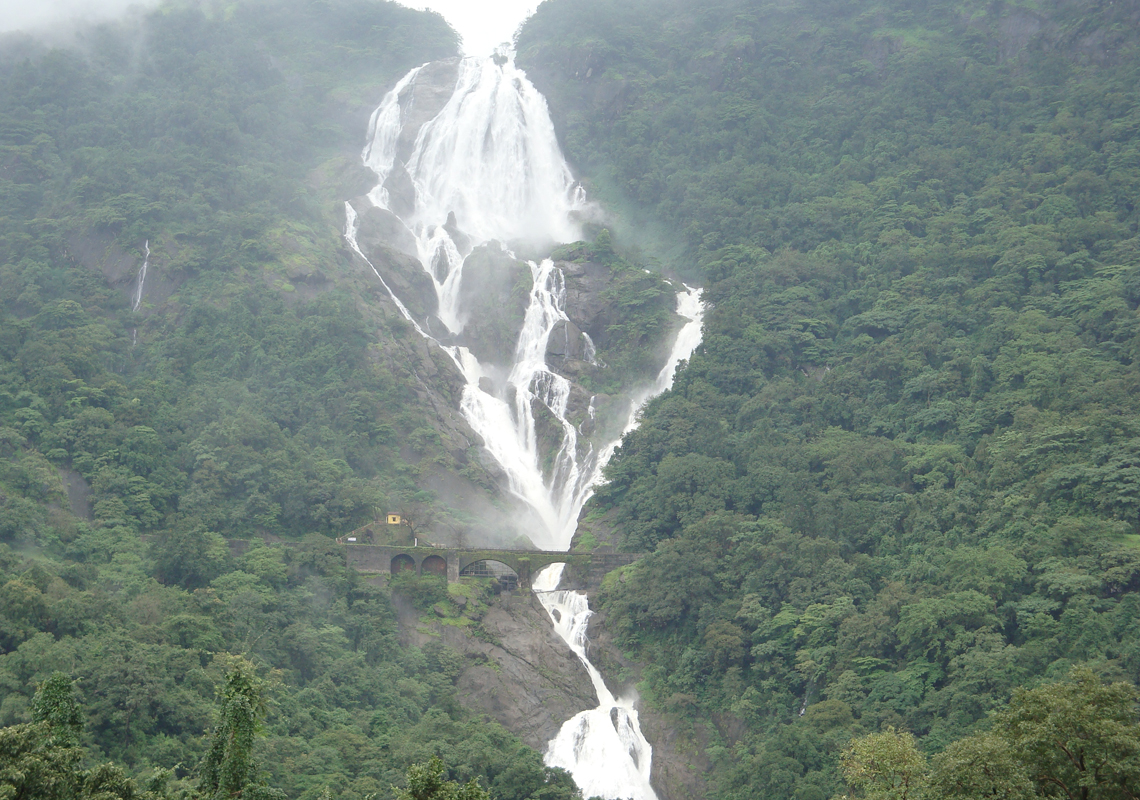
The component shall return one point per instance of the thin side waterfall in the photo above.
(141, 278)
(140, 281)
(603, 748)
(486, 167)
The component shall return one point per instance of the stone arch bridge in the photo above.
(583, 570)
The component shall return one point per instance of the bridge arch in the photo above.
(505, 574)
(402, 562)
(434, 565)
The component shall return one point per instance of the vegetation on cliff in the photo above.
(900, 477)
(246, 396)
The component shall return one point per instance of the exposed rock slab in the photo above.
(524, 676)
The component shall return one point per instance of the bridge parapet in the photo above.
(584, 570)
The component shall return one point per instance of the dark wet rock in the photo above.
(462, 240)
(565, 341)
(378, 226)
(496, 289)
(423, 100)
(585, 305)
(383, 239)
(401, 192)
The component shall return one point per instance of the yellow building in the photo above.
(394, 519)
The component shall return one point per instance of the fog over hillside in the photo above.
(483, 25)
(18, 15)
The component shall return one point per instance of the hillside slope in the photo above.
(253, 382)
(901, 476)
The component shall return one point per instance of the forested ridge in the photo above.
(141, 654)
(900, 477)
(892, 503)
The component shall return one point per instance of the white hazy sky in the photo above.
(483, 24)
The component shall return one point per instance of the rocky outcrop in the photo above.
(518, 671)
(423, 100)
(586, 283)
(496, 289)
(390, 246)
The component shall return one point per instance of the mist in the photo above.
(483, 24)
(43, 15)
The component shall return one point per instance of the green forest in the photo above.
(219, 136)
(900, 479)
(891, 505)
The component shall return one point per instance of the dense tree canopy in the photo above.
(253, 403)
(899, 478)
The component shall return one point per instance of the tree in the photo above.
(884, 766)
(54, 705)
(1076, 739)
(425, 782)
(979, 767)
(229, 771)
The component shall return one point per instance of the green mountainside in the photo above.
(251, 394)
(892, 502)
(901, 476)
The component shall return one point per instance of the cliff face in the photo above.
(516, 669)
(518, 672)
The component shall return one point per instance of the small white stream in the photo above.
(141, 278)
(487, 167)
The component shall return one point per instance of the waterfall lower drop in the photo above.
(487, 167)
(603, 748)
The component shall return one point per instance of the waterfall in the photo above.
(141, 278)
(489, 160)
(486, 166)
(603, 748)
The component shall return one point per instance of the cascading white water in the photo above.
(489, 157)
(487, 167)
(692, 308)
(488, 163)
(508, 428)
(603, 748)
(141, 278)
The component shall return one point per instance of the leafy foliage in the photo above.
(248, 395)
(201, 138)
(897, 480)
(425, 782)
(1077, 738)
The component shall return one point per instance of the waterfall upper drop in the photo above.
(468, 164)
(485, 167)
